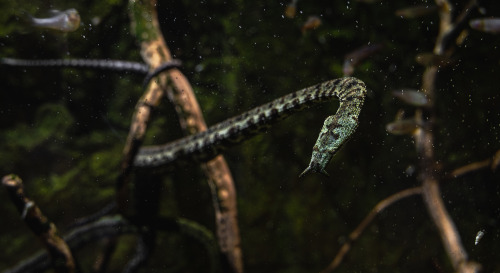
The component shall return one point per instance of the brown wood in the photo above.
(40, 225)
(179, 91)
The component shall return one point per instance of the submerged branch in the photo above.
(155, 52)
(356, 233)
(40, 225)
(492, 162)
(424, 141)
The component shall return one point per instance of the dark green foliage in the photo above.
(63, 130)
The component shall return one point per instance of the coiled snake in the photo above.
(336, 129)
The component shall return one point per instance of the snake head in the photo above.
(321, 155)
(314, 168)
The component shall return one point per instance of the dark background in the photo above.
(62, 131)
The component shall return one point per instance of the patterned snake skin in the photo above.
(336, 129)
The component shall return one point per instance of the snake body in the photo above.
(336, 129)
(116, 65)
(204, 146)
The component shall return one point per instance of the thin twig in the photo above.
(475, 166)
(356, 233)
(493, 162)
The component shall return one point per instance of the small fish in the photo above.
(355, 57)
(313, 22)
(415, 12)
(479, 236)
(491, 25)
(64, 21)
(402, 127)
(291, 9)
(411, 96)
(428, 59)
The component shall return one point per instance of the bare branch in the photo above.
(46, 231)
(475, 166)
(424, 141)
(492, 162)
(356, 233)
(155, 52)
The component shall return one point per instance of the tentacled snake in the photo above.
(203, 146)
(336, 129)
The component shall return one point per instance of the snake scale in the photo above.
(336, 129)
